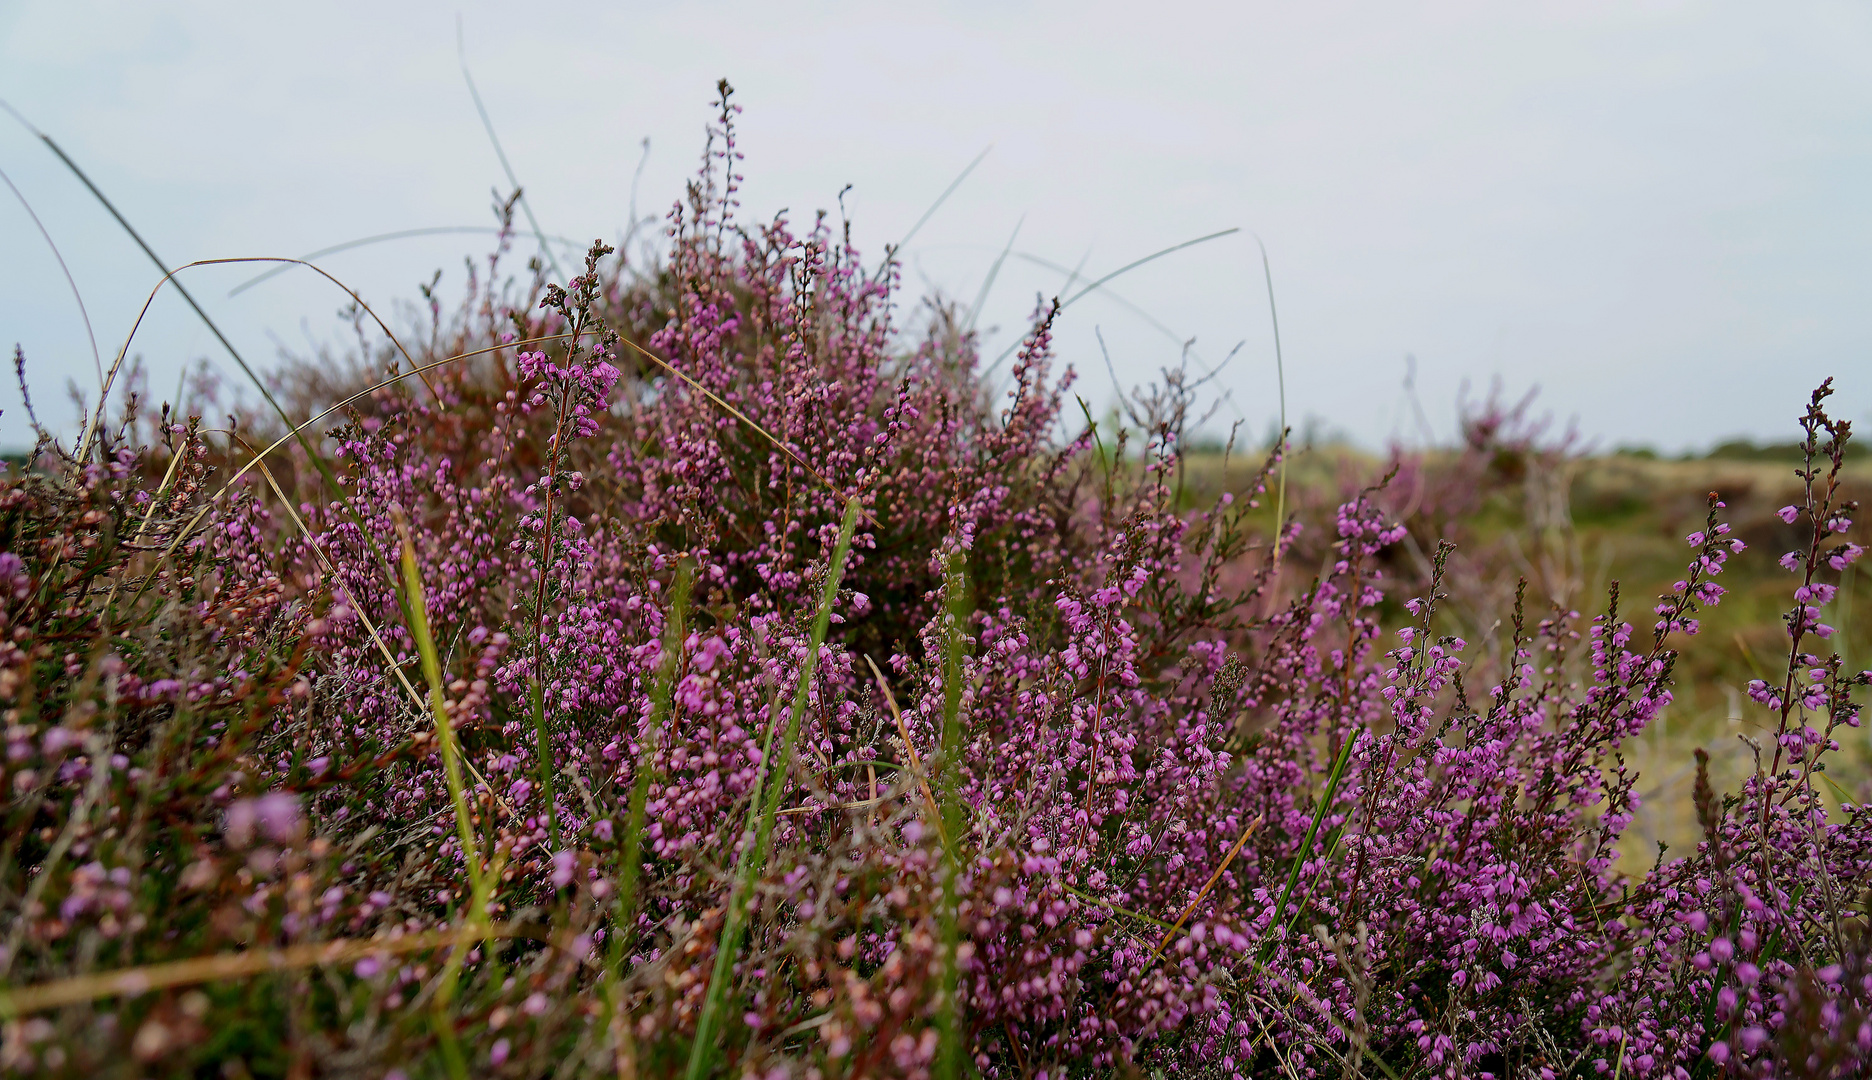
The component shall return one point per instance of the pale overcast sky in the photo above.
(1657, 212)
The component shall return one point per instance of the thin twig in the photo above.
(903, 731)
(203, 969)
(743, 417)
(1201, 896)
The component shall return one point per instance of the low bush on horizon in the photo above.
(692, 670)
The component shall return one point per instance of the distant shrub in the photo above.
(1745, 450)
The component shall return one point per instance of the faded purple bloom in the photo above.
(275, 815)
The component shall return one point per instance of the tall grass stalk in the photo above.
(891, 253)
(674, 630)
(1280, 377)
(97, 359)
(380, 238)
(172, 277)
(1101, 282)
(776, 761)
(994, 271)
(487, 122)
(168, 275)
(1306, 844)
(716, 400)
(630, 861)
(479, 894)
(296, 432)
(243, 964)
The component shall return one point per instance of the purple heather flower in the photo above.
(276, 815)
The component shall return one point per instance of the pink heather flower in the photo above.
(275, 814)
(1788, 513)
(278, 813)
(497, 1056)
(1818, 593)
(562, 862)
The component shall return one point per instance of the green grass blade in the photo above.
(476, 907)
(897, 249)
(179, 287)
(1096, 285)
(674, 630)
(312, 455)
(1280, 374)
(630, 866)
(776, 761)
(461, 53)
(542, 748)
(432, 672)
(994, 271)
(97, 358)
(1134, 264)
(379, 238)
(1306, 845)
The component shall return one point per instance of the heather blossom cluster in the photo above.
(700, 672)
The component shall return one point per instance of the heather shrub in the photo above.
(689, 668)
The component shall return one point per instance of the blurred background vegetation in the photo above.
(1523, 504)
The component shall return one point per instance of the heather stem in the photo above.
(542, 737)
(950, 1049)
